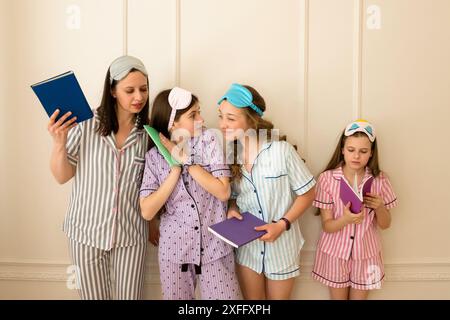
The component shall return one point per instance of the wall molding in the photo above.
(45, 271)
(55, 271)
(177, 42)
(358, 20)
(125, 27)
(305, 64)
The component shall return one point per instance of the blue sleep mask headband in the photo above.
(240, 97)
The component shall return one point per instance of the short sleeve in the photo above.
(324, 198)
(387, 192)
(215, 155)
(73, 144)
(300, 178)
(150, 182)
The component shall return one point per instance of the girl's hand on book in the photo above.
(274, 230)
(59, 129)
(233, 213)
(354, 218)
(373, 201)
(176, 150)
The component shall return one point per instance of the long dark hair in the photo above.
(161, 110)
(107, 110)
(256, 122)
(337, 159)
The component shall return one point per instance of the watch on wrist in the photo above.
(288, 223)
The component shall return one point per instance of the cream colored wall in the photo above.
(4, 114)
(405, 91)
(317, 64)
(43, 47)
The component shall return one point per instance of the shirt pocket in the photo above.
(276, 181)
(138, 169)
(274, 175)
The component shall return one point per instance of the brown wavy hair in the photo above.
(107, 110)
(255, 122)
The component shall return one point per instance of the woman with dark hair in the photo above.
(105, 156)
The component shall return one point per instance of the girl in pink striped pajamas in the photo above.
(348, 256)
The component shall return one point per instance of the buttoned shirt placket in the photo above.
(118, 153)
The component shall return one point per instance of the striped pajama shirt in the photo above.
(351, 256)
(277, 177)
(103, 222)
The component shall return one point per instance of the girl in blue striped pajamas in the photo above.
(271, 181)
(105, 157)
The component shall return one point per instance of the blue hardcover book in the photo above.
(63, 92)
(238, 232)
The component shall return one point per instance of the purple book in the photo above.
(238, 232)
(349, 195)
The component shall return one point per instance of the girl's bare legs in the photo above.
(358, 294)
(339, 293)
(252, 284)
(279, 289)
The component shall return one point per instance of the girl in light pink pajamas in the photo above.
(348, 256)
(194, 196)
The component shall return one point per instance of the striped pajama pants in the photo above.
(114, 274)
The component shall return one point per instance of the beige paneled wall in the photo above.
(5, 81)
(152, 37)
(221, 44)
(48, 41)
(318, 63)
(329, 88)
(406, 94)
(330, 75)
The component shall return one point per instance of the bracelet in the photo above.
(288, 223)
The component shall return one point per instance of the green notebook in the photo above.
(163, 150)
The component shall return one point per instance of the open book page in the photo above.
(348, 194)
